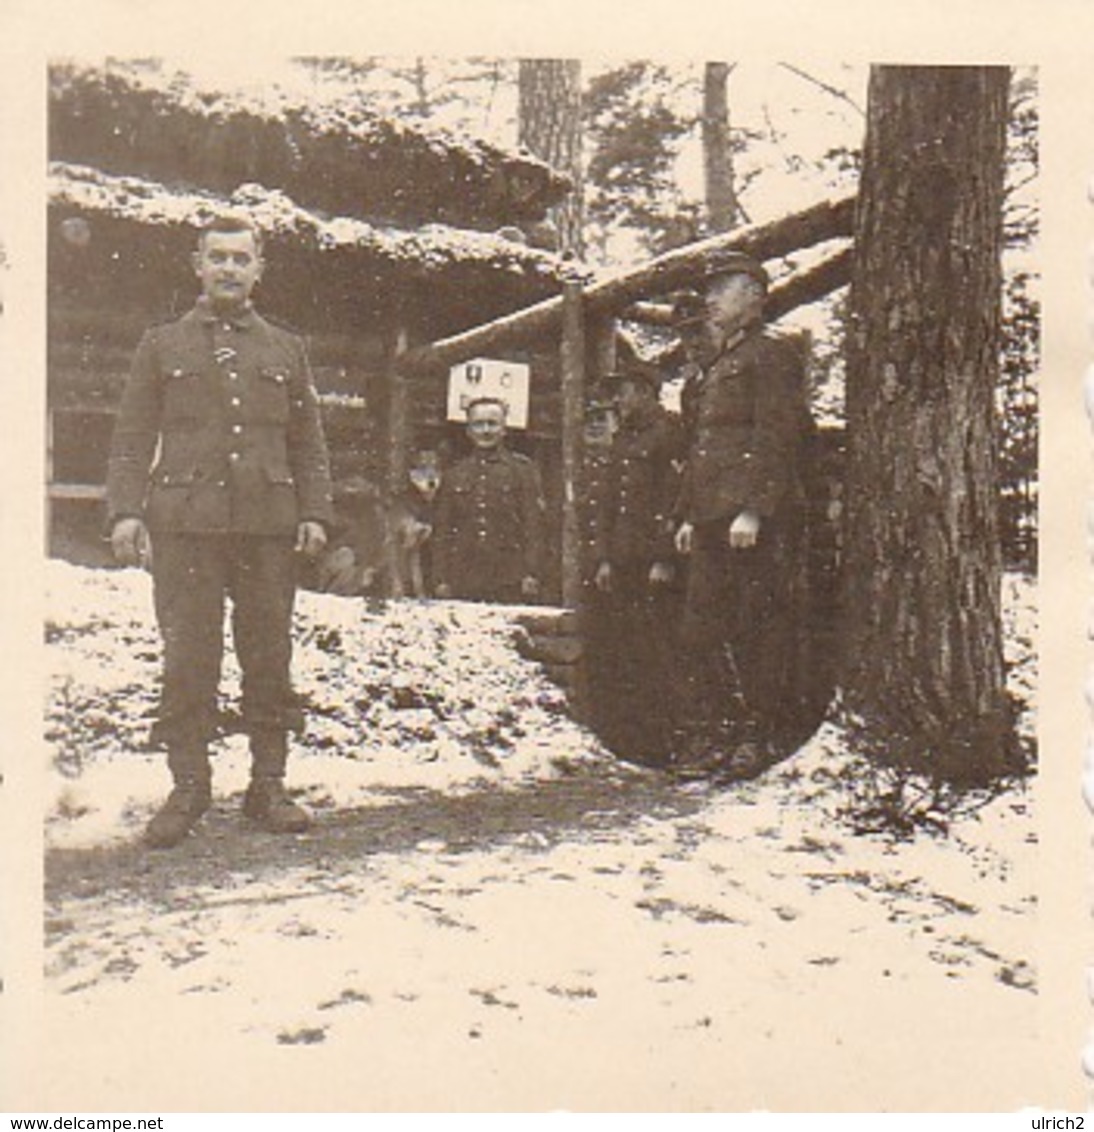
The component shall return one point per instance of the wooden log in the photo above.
(827, 220)
(809, 286)
(572, 359)
(801, 288)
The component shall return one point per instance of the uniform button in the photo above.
(222, 483)
(233, 375)
(233, 455)
(235, 402)
(228, 326)
(176, 373)
(237, 429)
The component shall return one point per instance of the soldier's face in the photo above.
(229, 266)
(486, 426)
(734, 301)
(703, 340)
(633, 396)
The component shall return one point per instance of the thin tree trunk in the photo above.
(549, 117)
(923, 641)
(721, 195)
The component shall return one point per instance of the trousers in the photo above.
(192, 577)
(629, 658)
(739, 631)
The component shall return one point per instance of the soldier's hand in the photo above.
(685, 534)
(603, 579)
(529, 586)
(442, 590)
(661, 573)
(744, 530)
(311, 538)
(130, 542)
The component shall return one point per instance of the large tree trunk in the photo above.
(923, 660)
(549, 114)
(721, 195)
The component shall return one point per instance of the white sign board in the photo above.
(488, 377)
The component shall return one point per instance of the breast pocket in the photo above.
(184, 394)
(271, 395)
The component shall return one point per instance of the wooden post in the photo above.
(398, 420)
(572, 365)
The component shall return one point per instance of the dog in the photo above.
(379, 545)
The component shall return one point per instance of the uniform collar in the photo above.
(489, 455)
(735, 341)
(242, 319)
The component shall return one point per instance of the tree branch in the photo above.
(835, 92)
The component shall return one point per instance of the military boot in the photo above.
(190, 798)
(266, 801)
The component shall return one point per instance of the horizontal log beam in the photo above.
(827, 220)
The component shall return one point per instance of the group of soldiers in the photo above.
(219, 482)
(697, 626)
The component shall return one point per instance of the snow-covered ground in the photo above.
(491, 913)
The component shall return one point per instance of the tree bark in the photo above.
(721, 195)
(549, 115)
(923, 642)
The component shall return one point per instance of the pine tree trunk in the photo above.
(923, 641)
(550, 128)
(721, 194)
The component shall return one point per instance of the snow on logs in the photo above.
(334, 154)
(828, 220)
(135, 237)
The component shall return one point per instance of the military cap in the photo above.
(736, 263)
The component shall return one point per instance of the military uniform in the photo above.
(219, 448)
(745, 417)
(629, 633)
(488, 532)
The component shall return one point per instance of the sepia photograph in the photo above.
(542, 583)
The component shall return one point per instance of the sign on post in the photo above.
(488, 377)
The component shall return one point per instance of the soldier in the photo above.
(218, 475)
(634, 610)
(740, 513)
(488, 533)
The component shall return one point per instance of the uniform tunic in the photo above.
(630, 628)
(746, 417)
(488, 533)
(219, 448)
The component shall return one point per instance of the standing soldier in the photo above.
(218, 475)
(629, 659)
(488, 532)
(741, 516)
